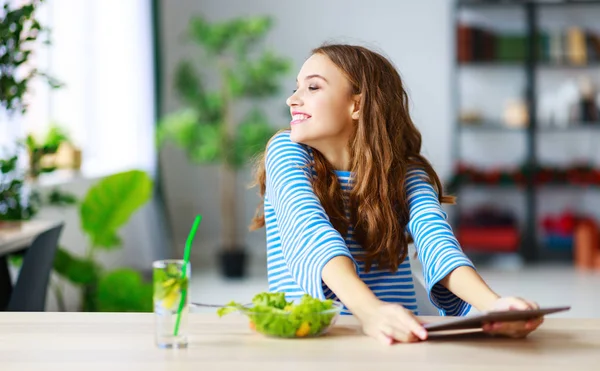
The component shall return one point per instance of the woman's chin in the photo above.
(297, 136)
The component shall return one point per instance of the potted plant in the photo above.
(19, 33)
(107, 206)
(207, 129)
(42, 151)
(16, 204)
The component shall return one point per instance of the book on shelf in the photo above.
(573, 46)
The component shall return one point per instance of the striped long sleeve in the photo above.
(300, 238)
(437, 247)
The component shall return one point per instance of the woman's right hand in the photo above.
(389, 323)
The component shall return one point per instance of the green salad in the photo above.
(271, 314)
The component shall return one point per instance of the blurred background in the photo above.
(120, 121)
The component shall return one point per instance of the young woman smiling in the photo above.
(346, 189)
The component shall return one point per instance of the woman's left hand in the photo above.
(515, 329)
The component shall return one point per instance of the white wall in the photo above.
(416, 35)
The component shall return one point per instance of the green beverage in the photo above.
(169, 286)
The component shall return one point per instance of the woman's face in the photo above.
(323, 107)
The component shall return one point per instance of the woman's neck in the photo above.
(338, 157)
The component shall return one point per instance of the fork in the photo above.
(203, 305)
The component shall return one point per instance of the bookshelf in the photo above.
(524, 53)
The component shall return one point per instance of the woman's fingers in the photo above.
(534, 323)
(515, 328)
(398, 334)
(519, 304)
(532, 304)
(403, 336)
(385, 339)
(415, 327)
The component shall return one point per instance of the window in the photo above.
(102, 51)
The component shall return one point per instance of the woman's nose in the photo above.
(293, 100)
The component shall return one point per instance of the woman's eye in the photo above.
(311, 88)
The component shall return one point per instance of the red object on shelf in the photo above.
(494, 239)
(587, 244)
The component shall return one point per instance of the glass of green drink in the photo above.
(169, 286)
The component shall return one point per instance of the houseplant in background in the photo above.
(16, 203)
(107, 206)
(40, 150)
(207, 129)
(19, 33)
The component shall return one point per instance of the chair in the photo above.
(29, 292)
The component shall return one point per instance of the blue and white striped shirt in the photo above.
(301, 239)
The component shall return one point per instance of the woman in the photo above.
(346, 189)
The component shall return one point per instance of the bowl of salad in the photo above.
(271, 314)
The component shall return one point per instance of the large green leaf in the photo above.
(110, 203)
(123, 290)
(77, 270)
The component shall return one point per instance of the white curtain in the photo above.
(102, 51)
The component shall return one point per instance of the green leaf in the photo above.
(202, 33)
(187, 84)
(252, 137)
(201, 142)
(19, 32)
(57, 197)
(9, 165)
(237, 34)
(250, 31)
(77, 270)
(15, 260)
(180, 127)
(230, 307)
(209, 147)
(123, 290)
(211, 108)
(110, 203)
(260, 78)
(270, 299)
(56, 136)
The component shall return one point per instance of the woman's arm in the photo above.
(340, 276)
(437, 247)
(308, 239)
(386, 322)
(468, 285)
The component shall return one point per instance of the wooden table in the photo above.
(121, 341)
(15, 236)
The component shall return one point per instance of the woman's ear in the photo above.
(356, 107)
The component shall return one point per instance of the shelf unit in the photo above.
(530, 248)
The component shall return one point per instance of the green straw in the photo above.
(186, 259)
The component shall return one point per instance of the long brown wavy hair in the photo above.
(385, 144)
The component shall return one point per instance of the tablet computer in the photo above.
(477, 320)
